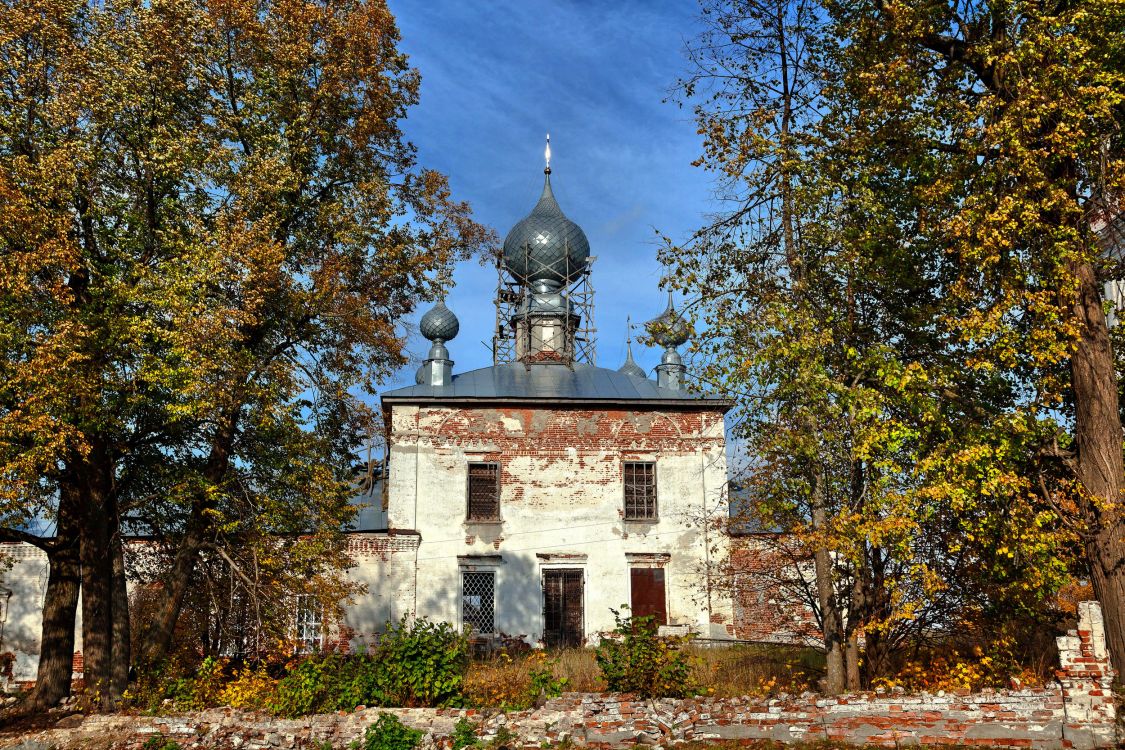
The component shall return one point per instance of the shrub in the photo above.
(306, 688)
(544, 684)
(160, 742)
(251, 688)
(388, 733)
(423, 664)
(415, 664)
(637, 660)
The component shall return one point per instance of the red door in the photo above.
(648, 594)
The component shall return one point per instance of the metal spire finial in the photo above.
(547, 155)
(628, 338)
(630, 367)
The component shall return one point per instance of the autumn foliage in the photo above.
(903, 292)
(211, 226)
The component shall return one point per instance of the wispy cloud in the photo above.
(497, 76)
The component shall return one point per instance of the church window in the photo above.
(310, 628)
(484, 492)
(640, 491)
(478, 597)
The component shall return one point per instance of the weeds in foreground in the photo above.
(388, 733)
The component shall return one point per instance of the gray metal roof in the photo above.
(550, 382)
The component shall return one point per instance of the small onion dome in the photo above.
(546, 246)
(669, 329)
(439, 324)
(632, 368)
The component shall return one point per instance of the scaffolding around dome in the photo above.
(514, 306)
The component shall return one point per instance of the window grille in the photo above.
(310, 630)
(640, 491)
(484, 492)
(478, 597)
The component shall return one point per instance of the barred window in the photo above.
(640, 491)
(310, 628)
(478, 596)
(484, 492)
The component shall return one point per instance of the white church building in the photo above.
(529, 498)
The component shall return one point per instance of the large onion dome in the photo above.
(669, 329)
(439, 323)
(546, 246)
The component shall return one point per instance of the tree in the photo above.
(906, 459)
(1025, 101)
(212, 223)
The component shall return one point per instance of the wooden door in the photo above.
(647, 586)
(563, 608)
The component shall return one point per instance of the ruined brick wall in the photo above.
(1074, 715)
(769, 592)
(1085, 675)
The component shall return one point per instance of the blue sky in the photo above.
(496, 77)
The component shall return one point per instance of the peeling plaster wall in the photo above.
(561, 505)
(23, 613)
(384, 563)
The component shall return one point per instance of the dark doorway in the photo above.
(648, 594)
(562, 608)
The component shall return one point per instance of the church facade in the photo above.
(534, 497)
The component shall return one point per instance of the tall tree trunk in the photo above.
(56, 645)
(851, 662)
(831, 624)
(156, 639)
(97, 607)
(97, 576)
(851, 631)
(877, 610)
(1098, 438)
(119, 673)
(157, 633)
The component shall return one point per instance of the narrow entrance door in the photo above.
(648, 594)
(562, 608)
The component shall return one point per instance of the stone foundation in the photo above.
(1078, 713)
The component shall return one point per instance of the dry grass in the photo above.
(504, 681)
(755, 669)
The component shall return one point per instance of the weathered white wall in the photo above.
(22, 615)
(384, 563)
(562, 492)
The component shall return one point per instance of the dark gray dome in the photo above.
(632, 368)
(439, 323)
(669, 329)
(546, 246)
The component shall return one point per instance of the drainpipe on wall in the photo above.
(418, 546)
(706, 535)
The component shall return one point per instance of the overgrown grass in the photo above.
(504, 681)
